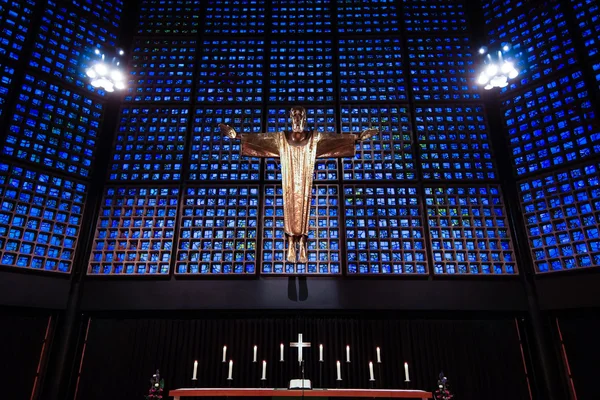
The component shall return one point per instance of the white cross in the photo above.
(300, 344)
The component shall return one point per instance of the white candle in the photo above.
(339, 371)
(379, 355)
(347, 353)
(255, 349)
(264, 373)
(281, 352)
(195, 370)
(320, 352)
(406, 372)
(372, 377)
(224, 353)
(230, 376)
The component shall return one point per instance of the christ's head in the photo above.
(298, 117)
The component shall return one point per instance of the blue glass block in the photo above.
(318, 118)
(218, 228)
(301, 16)
(375, 16)
(386, 156)
(215, 157)
(587, 13)
(497, 10)
(468, 227)
(161, 70)
(39, 208)
(226, 17)
(54, 127)
(15, 19)
(455, 143)
(323, 241)
(384, 230)
(551, 124)
(134, 232)
(6, 79)
(149, 144)
(231, 71)
(562, 218)
(433, 16)
(301, 70)
(371, 70)
(169, 17)
(442, 68)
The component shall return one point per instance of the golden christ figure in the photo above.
(297, 151)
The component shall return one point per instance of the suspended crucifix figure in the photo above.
(297, 151)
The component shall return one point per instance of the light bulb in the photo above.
(491, 70)
(507, 67)
(513, 73)
(121, 52)
(506, 47)
(116, 75)
(483, 79)
(482, 50)
(503, 84)
(97, 51)
(119, 85)
(91, 73)
(95, 82)
(488, 87)
(101, 69)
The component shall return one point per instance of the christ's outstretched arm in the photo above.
(336, 145)
(254, 144)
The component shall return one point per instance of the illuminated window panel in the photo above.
(376, 16)
(215, 157)
(169, 17)
(161, 70)
(109, 11)
(231, 71)
(149, 144)
(442, 68)
(469, 231)
(496, 10)
(40, 219)
(587, 13)
(15, 19)
(134, 232)
(65, 43)
(318, 118)
(323, 244)
(371, 69)
(386, 156)
(301, 16)
(218, 231)
(245, 17)
(384, 230)
(54, 127)
(434, 16)
(6, 80)
(301, 70)
(551, 124)
(562, 216)
(454, 142)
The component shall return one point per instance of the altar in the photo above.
(177, 394)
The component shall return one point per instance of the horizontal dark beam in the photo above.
(564, 290)
(20, 289)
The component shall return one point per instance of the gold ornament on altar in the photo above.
(297, 151)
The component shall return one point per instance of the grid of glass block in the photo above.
(301, 16)
(469, 231)
(301, 70)
(231, 71)
(161, 70)
(54, 127)
(386, 156)
(375, 16)
(371, 69)
(562, 215)
(551, 124)
(455, 142)
(169, 17)
(496, 10)
(40, 219)
(587, 13)
(218, 231)
(6, 80)
(134, 232)
(384, 230)
(15, 18)
(65, 44)
(318, 118)
(225, 17)
(149, 144)
(323, 238)
(442, 68)
(108, 11)
(214, 157)
(434, 16)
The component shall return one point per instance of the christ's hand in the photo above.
(227, 130)
(367, 134)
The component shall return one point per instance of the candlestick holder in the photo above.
(407, 384)
(372, 383)
(320, 374)
(229, 382)
(263, 383)
(338, 383)
(195, 382)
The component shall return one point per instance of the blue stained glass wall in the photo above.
(226, 17)
(15, 20)
(218, 231)
(135, 230)
(323, 238)
(371, 70)
(169, 17)
(375, 16)
(231, 71)
(384, 230)
(434, 16)
(214, 157)
(301, 16)
(161, 70)
(587, 13)
(386, 156)
(149, 144)
(40, 218)
(6, 79)
(562, 214)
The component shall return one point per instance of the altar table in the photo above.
(323, 393)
